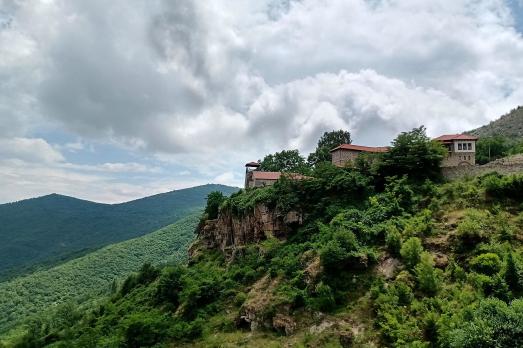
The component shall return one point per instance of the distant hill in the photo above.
(46, 230)
(509, 125)
(92, 275)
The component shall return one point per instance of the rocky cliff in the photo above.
(230, 232)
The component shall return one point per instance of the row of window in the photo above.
(464, 158)
(464, 146)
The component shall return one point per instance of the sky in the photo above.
(115, 100)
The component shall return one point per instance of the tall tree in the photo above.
(413, 154)
(491, 148)
(289, 161)
(327, 142)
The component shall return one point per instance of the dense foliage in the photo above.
(492, 148)
(327, 142)
(52, 229)
(288, 161)
(92, 275)
(413, 154)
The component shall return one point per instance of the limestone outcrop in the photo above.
(230, 232)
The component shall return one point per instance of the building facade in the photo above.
(346, 154)
(461, 149)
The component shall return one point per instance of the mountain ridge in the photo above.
(53, 228)
(509, 125)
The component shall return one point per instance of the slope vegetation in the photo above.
(409, 267)
(92, 275)
(509, 125)
(55, 228)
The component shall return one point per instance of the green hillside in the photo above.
(378, 261)
(54, 228)
(93, 274)
(509, 125)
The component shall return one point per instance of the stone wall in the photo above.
(341, 157)
(505, 166)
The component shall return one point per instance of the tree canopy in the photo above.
(414, 154)
(327, 142)
(289, 161)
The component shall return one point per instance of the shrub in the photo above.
(504, 187)
(169, 285)
(488, 264)
(393, 240)
(492, 324)
(428, 277)
(474, 228)
(144, 329)
(324, 298)
(411, 252)
(214, 200)
(514, 272)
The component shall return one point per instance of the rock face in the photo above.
(229, 232)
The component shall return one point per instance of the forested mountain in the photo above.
(88, 277)
(509, 126)
(360, 259)
(54, 228)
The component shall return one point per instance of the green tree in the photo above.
(214, 200)
(411, 252)
(289, 161)
(491, 148)
(414, 154)
(327, 142)
(428, 277)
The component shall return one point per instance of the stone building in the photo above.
(346, 153)
(257, 178)
(461, 149)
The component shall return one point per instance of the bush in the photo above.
(504, 187)
(514, 272)
(474, 228)
(144, 330)
(492, 324)
(214, 200)
(323, 297)
(411, 252)
(488, 264)
(169, 285)
(393, 240)
(428, 277)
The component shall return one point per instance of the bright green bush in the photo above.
(474, 228)
(488, 263)
(428, 278)
(492, 324)
(411, 251)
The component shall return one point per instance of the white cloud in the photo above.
(29, 150)
(210, 85)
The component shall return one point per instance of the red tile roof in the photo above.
(361, 148)
(450, 137)
(259, 175)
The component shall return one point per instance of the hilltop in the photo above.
(509, 125)
(41, 232)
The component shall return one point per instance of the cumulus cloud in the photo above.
(212, 84)
(29, 150)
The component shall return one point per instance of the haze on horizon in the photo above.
(111, 101)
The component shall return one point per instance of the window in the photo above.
(470, 146)
(460, 147)
(469, 156)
